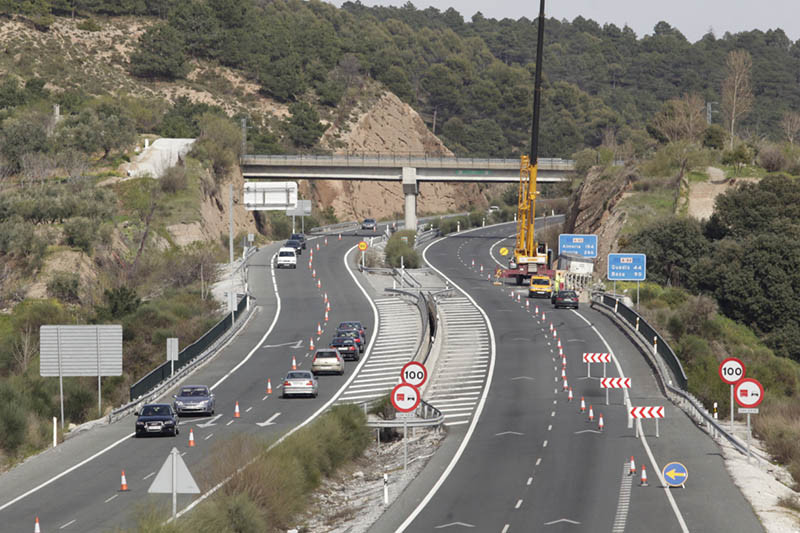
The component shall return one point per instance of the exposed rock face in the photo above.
(389, 126)
(594, 210)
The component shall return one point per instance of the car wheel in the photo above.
(315, 395)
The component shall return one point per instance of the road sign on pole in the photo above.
(172, 353)
(731, 370)
(748, 392)
(270, 195)
(414, 373)
(675, 474)
(174, 477)
(646, 412)
(589, 358)
(615, 383)
(405, 397)
(583, 245)
(627, 267)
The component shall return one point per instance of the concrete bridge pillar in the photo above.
(410, 190)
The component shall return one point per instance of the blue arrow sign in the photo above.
(627, 267)
(583, 245)
(675, 474)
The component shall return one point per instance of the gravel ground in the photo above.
(352, 500)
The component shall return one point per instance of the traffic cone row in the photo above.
(559, 344)
(563, 373)
(328, 306)
(325, 298)
(314, 273)
(566, 385)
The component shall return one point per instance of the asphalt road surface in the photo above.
(87, 498)
(533, 461)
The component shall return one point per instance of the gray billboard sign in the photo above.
(80, 350)
(303, 209)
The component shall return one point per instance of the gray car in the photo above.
(193, 399)
(300, 383)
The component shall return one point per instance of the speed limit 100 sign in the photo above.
(405, 397)
(731, 370)
(414, 373)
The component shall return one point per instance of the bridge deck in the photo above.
(394, 160)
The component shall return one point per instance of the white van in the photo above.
(287, 258)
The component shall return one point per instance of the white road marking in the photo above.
(538, 461)
(208, 436)
(67, 524)
(229, 423)
(624, 501)
(151, 474)
(505, 528)
(549, 427)
(530, 480)
(519, 504)
(248, 409)
(111, 498)
(544, 445)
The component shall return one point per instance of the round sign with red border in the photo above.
(748, 392)
(414, 373)
(731, 370)
(405, 397)
(363, 246)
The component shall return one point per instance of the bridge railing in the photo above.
(411, 159)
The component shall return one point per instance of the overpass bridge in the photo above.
(407, 169)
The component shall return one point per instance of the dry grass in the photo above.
(779, 427)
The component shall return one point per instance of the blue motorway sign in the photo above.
(675, 474)
(583, 245)
(627, 267)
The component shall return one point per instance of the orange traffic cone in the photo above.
(644, 477)
(473, 263)
(600, 424)
(314, 273)
(311, 343)
(555, 333)
(319, 329)
(326, 316)
(633, 467)
(317, 246)
(563, 372)
(294, 366)
(36, 526)
(328, 306)
(544, 316)
(236, 411)
(518, 297)
(591, 414)
(566, 385)
(564, 362)
(269, 386)
(569, 396)
(191, 438)
(325, 298)
(559, 344)
(319, 284)
(123, 485)
(481, 269)
(536, 310)
(326, 241)
(583, 405)
(527, 304)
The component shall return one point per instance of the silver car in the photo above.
(300, 383)
(327, 360)
(193, 399)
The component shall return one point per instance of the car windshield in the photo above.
(298, 375)
(194, 391)
(155, 410)
(287, 253)
(369, 220)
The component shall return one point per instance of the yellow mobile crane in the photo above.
(529, 256)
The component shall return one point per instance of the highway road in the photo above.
(533, 461)
(289, 306)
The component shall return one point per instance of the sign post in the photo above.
(732, 370)
(675, 474)
(405, 398)
(363, 247)
(749, 395)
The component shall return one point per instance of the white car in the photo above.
(287, 258)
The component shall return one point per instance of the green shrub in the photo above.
(174, 179)
(64, 286)
(89, 25)
(13, 426)
(397, 247)
(80, 232)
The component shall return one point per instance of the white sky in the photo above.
(692, 17)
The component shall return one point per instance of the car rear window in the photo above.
(193, 391)
(326, 353)
(298, 375)
(342, 341)
(287, 253)
(567, 294)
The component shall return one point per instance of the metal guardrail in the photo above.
(425, 415)
(666, 361)
(416, 159)
(333, 228)
(164, 371)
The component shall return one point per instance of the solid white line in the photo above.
(460, 423)
(322, 409)
(478, 410)
(68, 524)
(653, 462)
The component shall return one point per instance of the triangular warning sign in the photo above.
(185, 483)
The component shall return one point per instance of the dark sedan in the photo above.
(194, 399)
(299, 237)
(157, 419)
(350, 324)
(291, 243)
(354, 334)
(347, 347)
(565, 299)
